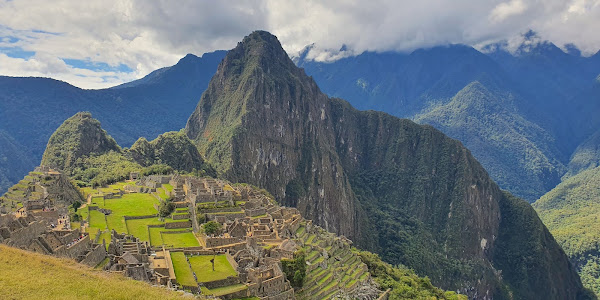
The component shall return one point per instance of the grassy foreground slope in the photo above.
(27, 275)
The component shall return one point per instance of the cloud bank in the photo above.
(95, 44)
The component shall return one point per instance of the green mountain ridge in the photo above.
(516, 149)
(403, 190)
(13, 160)
(585, 157)
(87, 153)
(572, 213)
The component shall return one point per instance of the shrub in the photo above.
(212, 227)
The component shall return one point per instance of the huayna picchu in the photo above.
(400, 189)
(271, 189)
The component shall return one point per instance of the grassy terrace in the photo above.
(135, 204)
(162, 193)
(139, 227)
(128, 205)
(183, 273)
(226, 290)
(27, 275)
(179, 240)
(203, 268)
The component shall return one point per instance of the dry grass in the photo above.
(27, 275)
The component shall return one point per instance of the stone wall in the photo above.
(95, 256)
(75, 250)
(256, 212)
(273, 286)
(288, 294)
(220, 210)
(139, 217)
(212, 242)
(231, 280)
(238, 295)
(225, 217)
(181, 204)
(50, 216)
(174, 225)
(22, 237)
(180, 216)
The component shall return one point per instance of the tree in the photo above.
(201, 219)
(295, 269)
(165, 208)
(76, 205)
(212, 228)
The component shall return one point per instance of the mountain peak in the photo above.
(80, 135)
(258, 49)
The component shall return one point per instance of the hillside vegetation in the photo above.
(402, 282)
(87, 153)
(585, 157)
(510, 147)
(572, 213)
(27, 275)
(15, 161)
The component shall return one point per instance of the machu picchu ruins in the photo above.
(120, 230)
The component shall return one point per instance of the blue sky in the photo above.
(98, 44)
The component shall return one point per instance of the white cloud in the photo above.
(146, 35)
(507, 9)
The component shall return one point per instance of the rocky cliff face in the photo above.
(79, 136)
(405, 190)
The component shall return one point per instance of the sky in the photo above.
(97, 44)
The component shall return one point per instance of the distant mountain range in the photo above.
(522, 114)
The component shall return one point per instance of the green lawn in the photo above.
(179, 240)
(227, 289)
(139, 227)
(175, 240)
(162, 193)
(136, 204)
(88, 190)
(155, 238)
(93, 232)
(104, 236)
(183, 273)
(97, 220)
(203, 268)
(168, 187)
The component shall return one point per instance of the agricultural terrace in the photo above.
(150, 229)
(186, 267)
(203, 267)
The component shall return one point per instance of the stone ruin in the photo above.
(131, 257)
(34, 234)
